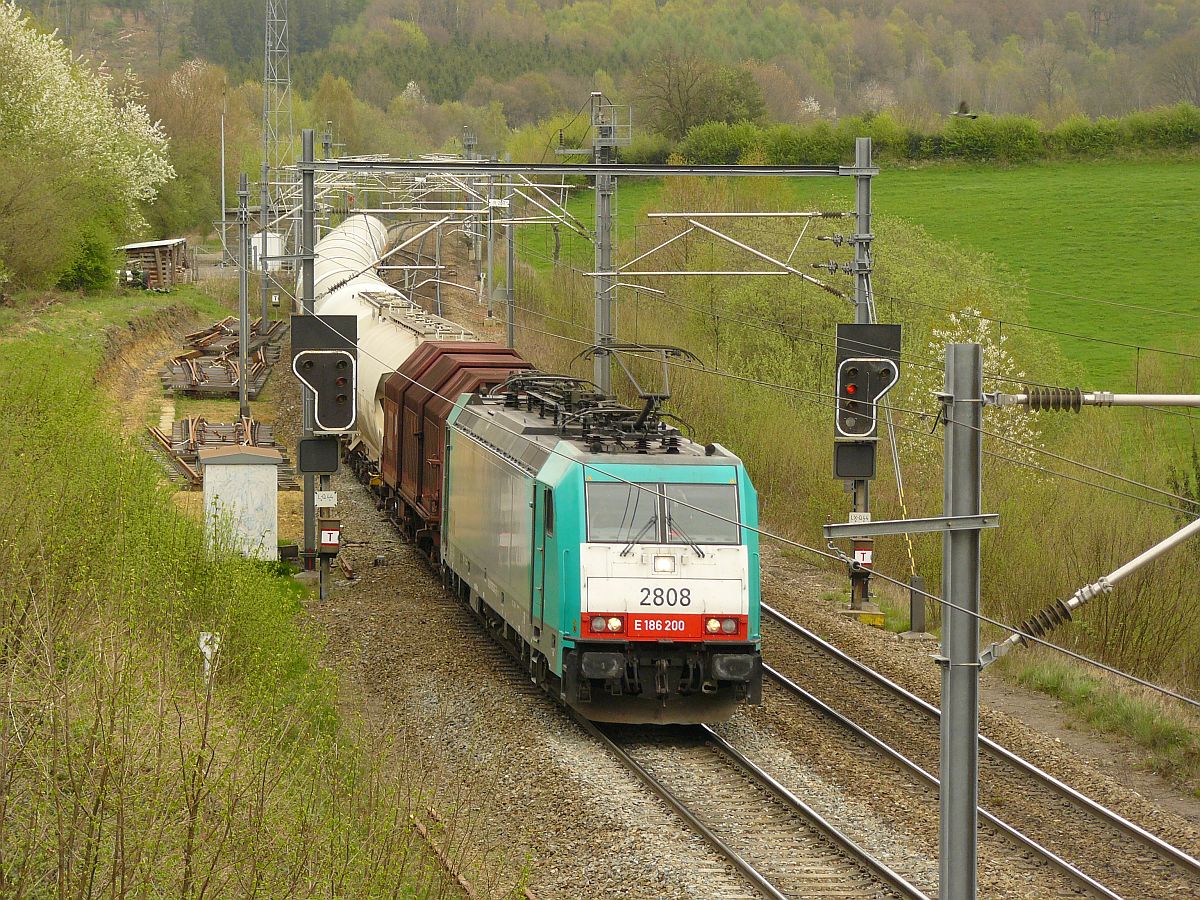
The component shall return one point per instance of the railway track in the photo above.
(778, 843)
(1102, 852)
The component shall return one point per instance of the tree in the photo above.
(334, 102)
(672, 89)
(679, 90)
(1176, 68)
(188, 105)
(89, 156)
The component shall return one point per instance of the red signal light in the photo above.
(852, 389)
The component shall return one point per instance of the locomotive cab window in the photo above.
(701, 514)
(623, 513)
(662, 513)
(548, 509)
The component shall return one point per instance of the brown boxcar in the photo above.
(416, 401)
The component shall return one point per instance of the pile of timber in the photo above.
(195, 433)
(209, 365)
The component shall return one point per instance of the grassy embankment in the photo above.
(1056, 227)
(123, 769)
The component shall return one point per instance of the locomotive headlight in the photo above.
(664, 565)
(729, 626)
(712, 626)
(599, 623)
(614, 624)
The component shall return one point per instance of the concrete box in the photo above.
(241, 499)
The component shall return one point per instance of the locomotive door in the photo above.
(543, 532)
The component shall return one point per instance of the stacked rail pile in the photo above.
(209, 364)
(191, 435)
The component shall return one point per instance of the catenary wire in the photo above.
(788, 541)
(771, 326)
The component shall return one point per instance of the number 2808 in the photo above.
(666, 597)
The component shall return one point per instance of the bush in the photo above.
(647, 149)
(1081, 136)
(1011, 139)
(716, 143)
(92, 265)
(1006, 138)
(1164, 128)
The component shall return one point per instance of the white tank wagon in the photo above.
(390, 326)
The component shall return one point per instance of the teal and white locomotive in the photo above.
(609, 550)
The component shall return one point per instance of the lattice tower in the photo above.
(278, 136)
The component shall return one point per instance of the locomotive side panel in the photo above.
(488, 528)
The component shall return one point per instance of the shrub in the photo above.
(93, 264)
(1011, 139)
(646, 148)
(96, 155)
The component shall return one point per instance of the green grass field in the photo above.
(1072, 234)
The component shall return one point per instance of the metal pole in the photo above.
(437, 284)
(959, 765)
(307, 298)
(860, 580)
(243, 299)
(605, 186)
(323, 576)
(491, 234)
(509, 271)
(224, 230)
(264, 282)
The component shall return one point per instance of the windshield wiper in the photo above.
(683, 534)
(650, 523)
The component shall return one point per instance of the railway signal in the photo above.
(325, 359)
(331, 375)
(868, 366)
(861, 382)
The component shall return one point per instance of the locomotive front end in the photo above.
(669, 594)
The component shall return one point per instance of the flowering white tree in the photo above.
(75, 137)
(1001, 373)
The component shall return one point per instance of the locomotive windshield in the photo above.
(623, 512)
(662, 513)
(688, 508)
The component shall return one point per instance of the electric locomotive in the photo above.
(615, 557)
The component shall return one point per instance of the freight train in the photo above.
(616, 558)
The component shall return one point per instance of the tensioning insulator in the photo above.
(1055, 398)
(1057, 613)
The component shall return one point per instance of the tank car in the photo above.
(390, 326)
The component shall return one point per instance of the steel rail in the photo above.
(931, 780)
(748, 871)
(1115, 820)
(846, 844)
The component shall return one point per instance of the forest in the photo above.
(708, 80)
